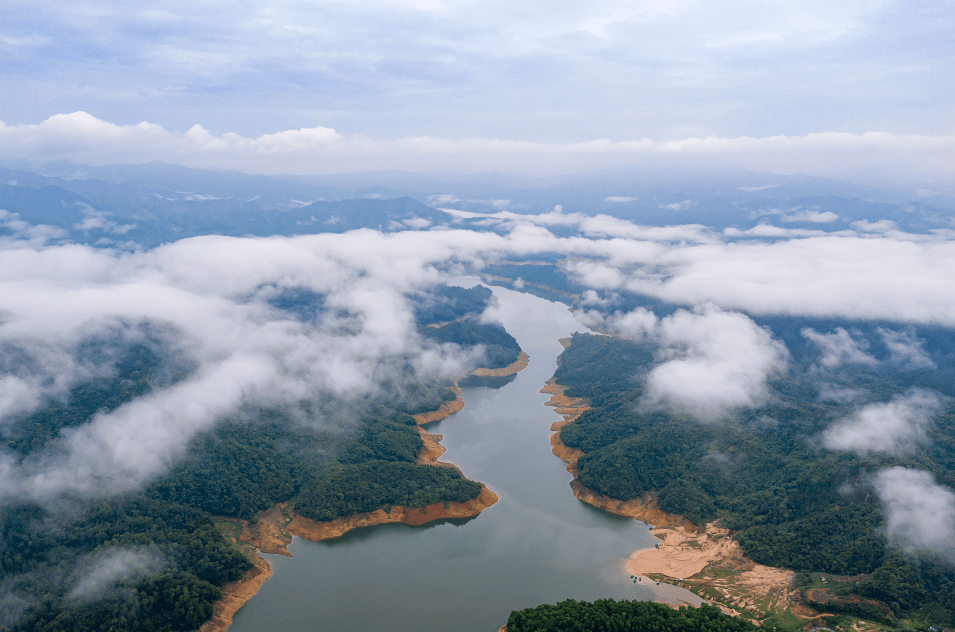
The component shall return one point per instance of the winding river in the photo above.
(537, 545)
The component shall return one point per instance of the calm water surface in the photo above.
(537, 545)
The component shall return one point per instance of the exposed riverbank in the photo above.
(272, 531)
(708, 561)
(643, 508)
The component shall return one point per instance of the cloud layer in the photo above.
(711, 362)
(83, 138)
(450, 69)
(213, 292)
(920, 513)
(897, 426)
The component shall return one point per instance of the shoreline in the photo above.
(643, 508)
(274, 528)
(738, 586)
(511, 369)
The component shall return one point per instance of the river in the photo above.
(537, 545)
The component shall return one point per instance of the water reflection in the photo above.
(362, 534)
(487, 381)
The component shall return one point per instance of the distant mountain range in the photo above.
(141, 206)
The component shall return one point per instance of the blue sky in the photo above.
(446, 84)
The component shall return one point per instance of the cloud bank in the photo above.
(920, 513)
(210, 296)
(897, 426)
(83, 138)
(212, 293)
(839, 348)
(711, 362)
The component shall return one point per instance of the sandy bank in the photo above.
(273, 529)
(315, 531)
(683, 552)
(514, 367)
(235, 595)
(447, 409)
(712, 562)
(707, 560)
(643, 508)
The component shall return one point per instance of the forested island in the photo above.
(157, 559)
(764, 476)
(607, 615)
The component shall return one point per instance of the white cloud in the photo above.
(839, 348)
(897, 426)
(906, 349)
(619, 198)
(899, 277)
(880, 226)
(919, 513)
(711, 361)
(99, 575)
(208, 291)
(812, 216)
(83, 138)
(677, 206)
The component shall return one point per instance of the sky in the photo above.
(857, 89)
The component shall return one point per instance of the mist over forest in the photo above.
(153, 315)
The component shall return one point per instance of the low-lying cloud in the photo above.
(211, 293)
(919, 513)
(906, 350)
(207, 294)
(103, 573)
(894, 427)
(83, 138)
(710, 361)
(839, 348)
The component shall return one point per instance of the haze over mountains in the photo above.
(142, 206)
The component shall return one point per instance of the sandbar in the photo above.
(514, 367)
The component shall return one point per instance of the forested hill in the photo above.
(791, 503)
(607, 615)
(155, 559)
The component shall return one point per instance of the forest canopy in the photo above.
(761, 471)
(154, 559)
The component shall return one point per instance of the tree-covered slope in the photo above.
(764, 471)
(607, 615)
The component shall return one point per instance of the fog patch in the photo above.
(906, 349)
(12, 605)
(361, 341)
(833, 393)
(839, 348)
(895, 427)
(919, 513)
(711, 361)
(113, 572)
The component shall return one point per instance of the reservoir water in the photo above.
(537, 545)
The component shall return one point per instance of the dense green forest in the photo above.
(501, 349)
(155, 560)
(236, 470)
(443, 303)
(791, 503)
(607, 615)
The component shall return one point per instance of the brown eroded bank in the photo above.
(686, 553)
(275, 527)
